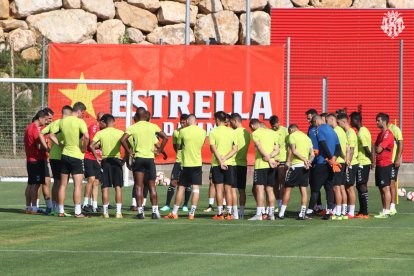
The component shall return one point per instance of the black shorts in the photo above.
(321, 175)
(210, 174)
(71, 165)
(351, 175)
(112, 173)
(36, 172)
(146, 166)
(394, 172)
(264, 177)
(241, 176)
(92, 168)
(363, 174)
(339, 178)
(47, 172)
(383, 176)
(176, 171)
(56, 166)
(226, 177)
(191, 176)
(297, 177)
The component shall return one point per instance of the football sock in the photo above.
(224, 202)
(258, 211)
(95, 205)
(78, 209)
(119, 208)
(302, 211)
(271, 211)
(37, 203)
(140, 210)
(337, 210)
(344, 209)
(279, 203)
(267, 210)
(85, 201)
(392, 206)
(175, 209)
(235, 211)
(242, 210)
(49, 204)
(187, 195)
(105, 209)
(386, 212)
(144, 202)
(229, 208)
(192, 210)
(155, 209)
(61, 209)
(282, 211)
(170, 194)
(134, 202)
(352, 210)
(219, 210)
(211, 201)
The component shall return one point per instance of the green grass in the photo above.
(48, 245)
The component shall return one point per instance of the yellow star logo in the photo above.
(82, 94)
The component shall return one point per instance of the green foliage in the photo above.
(125, 39)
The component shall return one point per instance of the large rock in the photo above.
(239, 6)
(171, 34)
(31, 54)
(401, 4)
(89, 41)
(331, 3)
(104, 9)
(192, 2)
(298, 3)
(72, 4)
(150, 5)
(209, 6)
(260, 28)
(4, 9)
(281, 4)
(2, 39)
(371, 4)
(136, 17)
(12, 24)
(21, 39)
(25, 8)
(173, 12)
(65, 26)
(223, 26)
(135, 35)
(110, 32)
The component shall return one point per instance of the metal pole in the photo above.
(287, 80)
(400, 121)
(247, 22)
(43, 68)
(187, 22)
(128, 123)
(14, 135)
(324, 94)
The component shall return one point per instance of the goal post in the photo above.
(20, 100)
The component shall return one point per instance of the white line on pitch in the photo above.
(343, 258)
(175, 223)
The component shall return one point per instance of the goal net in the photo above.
(20, 99)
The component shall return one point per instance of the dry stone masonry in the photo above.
(23, 22)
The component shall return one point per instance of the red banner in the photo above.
(171, 80)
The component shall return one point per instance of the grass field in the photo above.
(35, 245)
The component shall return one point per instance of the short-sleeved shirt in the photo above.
(352, 140)
(243, 143)
(31, 144)
(110, 141)
(327, 134)
(72, 129)
(179, 154)
(283, 137)
(92, 130)
(192, 140)
(364, 140)
(224, 138)
(302, 143)
(396, 131)
(342, 141)
(385, 140)
(143, 133)
(267, 139)
(312, 136)
(55, 151)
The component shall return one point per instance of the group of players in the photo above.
(336, 153)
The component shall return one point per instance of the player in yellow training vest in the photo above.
(190, 141)
(72, 128)
(144, 153)
(396, 159)
(109, 139)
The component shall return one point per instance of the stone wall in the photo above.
(23, 22)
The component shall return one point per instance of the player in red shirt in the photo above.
(35, 161)
(384, 146)
(93, 170)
